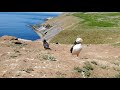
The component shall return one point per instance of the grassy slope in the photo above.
(94, 28)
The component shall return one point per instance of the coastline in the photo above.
(59, 23)
(49, 31)
(37, 32)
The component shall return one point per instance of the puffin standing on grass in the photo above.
(46, 45)
(77, 47)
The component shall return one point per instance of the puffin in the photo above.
(46, 45)
(77, 47)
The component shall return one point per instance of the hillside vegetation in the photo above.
(94, 28)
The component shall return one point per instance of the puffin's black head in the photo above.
(44, 41)
(46, 45)
(77, 42)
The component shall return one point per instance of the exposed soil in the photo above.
(28, 59)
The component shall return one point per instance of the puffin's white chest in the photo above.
(77, 48)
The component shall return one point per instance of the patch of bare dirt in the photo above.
(28, 59)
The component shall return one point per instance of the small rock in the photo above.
(29, 70)
(17, 42)
(57, 43)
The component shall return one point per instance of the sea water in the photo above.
(17, 23)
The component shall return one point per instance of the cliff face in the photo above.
(28, 59)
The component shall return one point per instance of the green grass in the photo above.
(89, 36)
(93, 29)
(116, 45)
(94, 62)
(113, 14)
(49, 57)
(88, 66)
(78, 69)
(86, 69)
(99, 20)
(101, 24)
(117, 76)
(13, 56)
(104, 67)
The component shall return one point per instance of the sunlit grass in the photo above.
(93, 29)
(99, 20)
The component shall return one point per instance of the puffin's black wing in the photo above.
(71, 49)
(75, 43)
(73, 46)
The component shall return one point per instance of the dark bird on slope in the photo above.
(46, 45)
(77, 47)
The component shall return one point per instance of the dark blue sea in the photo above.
(17, 23)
